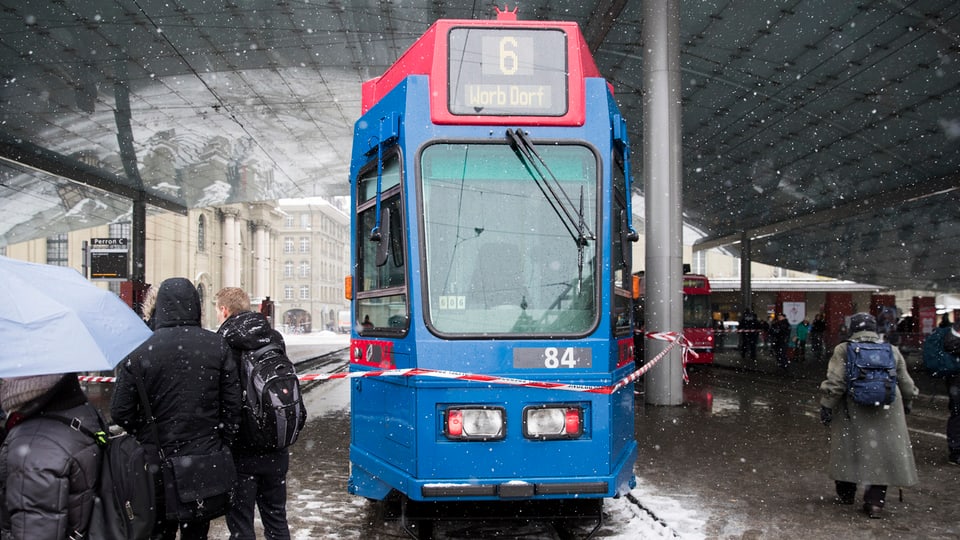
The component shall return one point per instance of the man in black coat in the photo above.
(261, 474)
(192, 386)
(779, 335)
(749, 334)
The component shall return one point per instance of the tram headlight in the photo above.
(474, 423)
(553, 422)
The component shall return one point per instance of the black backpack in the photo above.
(871, 373)
(124, 507)
(273, 410)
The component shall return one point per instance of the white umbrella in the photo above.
(52, 320)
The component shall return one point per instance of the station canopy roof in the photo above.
(828, 130)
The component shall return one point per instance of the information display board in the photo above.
(109, 258)
(507, 72)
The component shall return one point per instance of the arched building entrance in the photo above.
(297, 321)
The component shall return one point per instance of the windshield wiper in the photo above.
(524, 147)
(576, 226)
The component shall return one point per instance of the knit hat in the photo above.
(16, 391)
(860, 322)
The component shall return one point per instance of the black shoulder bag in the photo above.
(195, 487)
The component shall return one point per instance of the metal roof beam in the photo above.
(24, 154)
(884, 199)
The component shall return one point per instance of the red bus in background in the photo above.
(697, 318)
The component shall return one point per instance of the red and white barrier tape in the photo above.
(673, 337)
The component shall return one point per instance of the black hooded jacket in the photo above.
(190, 379)
(247, 331)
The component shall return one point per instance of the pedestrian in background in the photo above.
(779, 336)
(48, 471)
(191, 384)
(803, 329)
(266, 308)
(749, 335)
(149, 306)
(951, 344)
(869, 444)
(261, 474)
(818, 329)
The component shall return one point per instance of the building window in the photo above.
(304, 269)
(304, 292)
(201, 233)
(57, 251)
(288, 244)
(120, 230)
(288, 292)
(304, 244)
(288, 222)
(305, 221)
(288, 269)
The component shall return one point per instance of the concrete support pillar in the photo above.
(230, 258)
(238, 252)
(261, 269)
(662, 195)
(746, 258)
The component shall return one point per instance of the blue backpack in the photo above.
(937, 361)
(871, 373)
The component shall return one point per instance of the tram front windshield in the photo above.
(502, 257)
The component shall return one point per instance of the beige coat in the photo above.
(869, 445)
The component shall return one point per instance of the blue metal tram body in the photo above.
(461, 264)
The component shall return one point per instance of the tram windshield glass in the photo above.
(501, 253)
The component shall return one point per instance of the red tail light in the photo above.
(454, 423)
(572, 420)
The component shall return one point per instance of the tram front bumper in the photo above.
(514, 489)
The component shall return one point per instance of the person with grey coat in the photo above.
(48, 471)
(869, 444)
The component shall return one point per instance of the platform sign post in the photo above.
(109, 259)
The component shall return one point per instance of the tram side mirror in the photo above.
(627, 238)
(383, 243)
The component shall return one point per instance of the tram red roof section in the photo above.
(428, 56)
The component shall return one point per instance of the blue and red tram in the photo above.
(491, 236)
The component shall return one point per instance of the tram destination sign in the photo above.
(109, 258)
(507, 71)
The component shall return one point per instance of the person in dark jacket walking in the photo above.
(191, 383)
(750, 334)
(261, 474)
(48, 471)
(818, 330)
(779, 335)
(951, 344)
(868, 444)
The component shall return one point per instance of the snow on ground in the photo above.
(666, 516)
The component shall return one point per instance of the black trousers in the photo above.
(875, 495)
(261, 483)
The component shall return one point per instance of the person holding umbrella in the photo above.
(53, 320)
